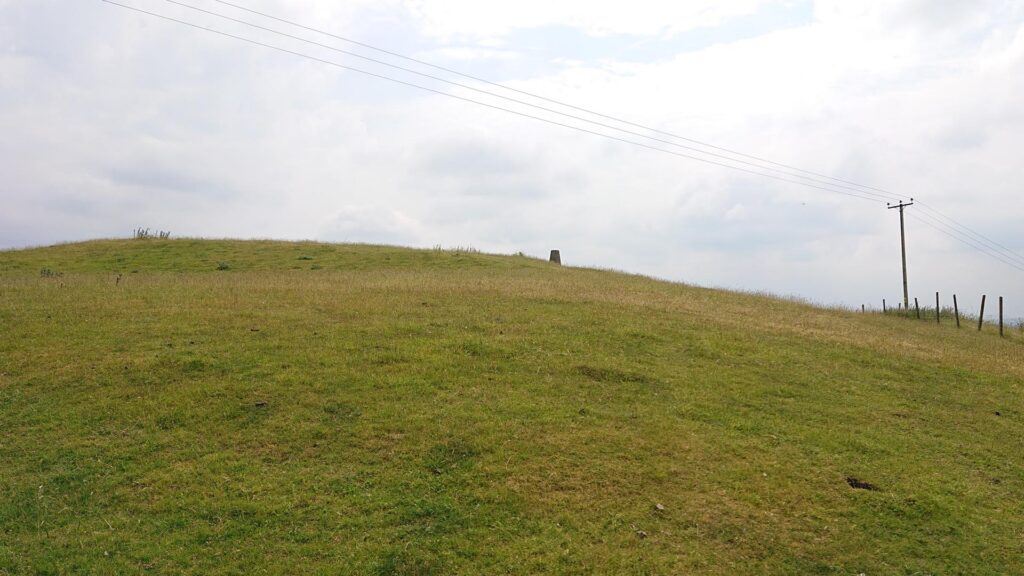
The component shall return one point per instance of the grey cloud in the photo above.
(168, 179)
(371, 225)
(472, 159)
(946, 15)
(964, 138)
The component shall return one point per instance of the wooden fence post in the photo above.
(917, 308)
(956, 311)
(861, 308)
(937, 308)
(883, 306)
(1000, 316)
(981, 315)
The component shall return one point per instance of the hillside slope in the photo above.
(317, 408)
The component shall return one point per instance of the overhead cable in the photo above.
(886, 193)
(491, 106)
(530, 104)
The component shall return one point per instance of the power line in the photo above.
(991, 254)
(492, 106)
(968, 238)
(885, 193)
(976, 235)
(862, 191)
(862, 187)
(524, 103)
(968, 242)
(932, 222)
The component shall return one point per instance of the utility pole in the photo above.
(903, 248)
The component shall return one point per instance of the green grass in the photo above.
(394, 411)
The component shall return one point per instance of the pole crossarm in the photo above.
(901, 205)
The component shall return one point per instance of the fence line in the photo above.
(905, 312)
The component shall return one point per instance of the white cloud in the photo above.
(448, 19)
(469, 54)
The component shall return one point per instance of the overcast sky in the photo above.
(113, 119)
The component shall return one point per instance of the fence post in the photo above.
(981, 315)
(937, 308)
(1000, 316)
(883, 306)
(861, 308)
(917, 308)
(956, 311)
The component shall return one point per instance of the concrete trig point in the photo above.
(556, 257)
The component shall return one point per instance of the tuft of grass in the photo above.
(612, 375)
(456, 250)
(417, 412)
(450, 455)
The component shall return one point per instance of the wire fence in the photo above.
(936, 312)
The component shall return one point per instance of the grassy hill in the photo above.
(271, 407)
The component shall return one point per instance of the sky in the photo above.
(113, 119)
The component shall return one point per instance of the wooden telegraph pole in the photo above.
(903, 250)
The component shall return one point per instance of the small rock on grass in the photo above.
(659, 507)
